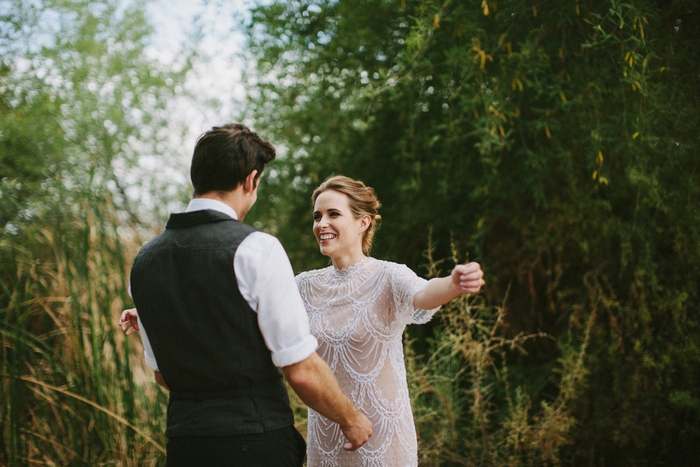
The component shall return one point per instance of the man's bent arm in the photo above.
(317, 387)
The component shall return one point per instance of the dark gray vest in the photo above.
(204, 335)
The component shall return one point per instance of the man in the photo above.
(220, 312)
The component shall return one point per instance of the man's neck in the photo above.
(235, 199)
(241, 198)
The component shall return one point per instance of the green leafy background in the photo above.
(555, 142)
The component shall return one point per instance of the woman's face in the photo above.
(337, 231)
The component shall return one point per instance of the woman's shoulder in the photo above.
(399, 274)
(392, 267)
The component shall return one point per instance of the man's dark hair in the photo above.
(225, 155)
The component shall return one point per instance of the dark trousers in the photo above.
(279, 448)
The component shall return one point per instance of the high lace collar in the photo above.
(353, 270)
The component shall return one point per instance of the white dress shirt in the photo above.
(266, 281)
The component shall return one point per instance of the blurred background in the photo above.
(555, 142)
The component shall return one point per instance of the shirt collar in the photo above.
(200, 204)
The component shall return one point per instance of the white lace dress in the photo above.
(358, 315)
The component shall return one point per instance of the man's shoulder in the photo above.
(152, 243)
(260, 240)
(261, 247)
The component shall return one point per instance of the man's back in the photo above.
(204, 335)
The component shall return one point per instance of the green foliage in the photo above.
(555, 141)
(80, 102)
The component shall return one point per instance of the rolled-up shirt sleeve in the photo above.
(266, 281)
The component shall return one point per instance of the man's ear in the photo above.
(250, 183)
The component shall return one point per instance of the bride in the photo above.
(358, 309)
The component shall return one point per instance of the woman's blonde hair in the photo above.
(361, 199)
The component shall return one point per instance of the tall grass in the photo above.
(73, 390)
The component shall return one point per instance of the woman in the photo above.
(358, 309)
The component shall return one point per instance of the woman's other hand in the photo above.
(129, 321)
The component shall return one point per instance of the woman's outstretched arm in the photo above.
(465, 278)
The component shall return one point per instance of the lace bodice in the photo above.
(359, 315)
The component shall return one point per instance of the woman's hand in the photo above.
(129, 321)
(468, 278)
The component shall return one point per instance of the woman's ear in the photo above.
(365, 222)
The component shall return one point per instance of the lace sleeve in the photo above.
(405, 285)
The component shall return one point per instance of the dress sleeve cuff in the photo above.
(299, 352)
(423, 316)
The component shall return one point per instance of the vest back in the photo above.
(204, 335)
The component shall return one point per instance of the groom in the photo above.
(220, 314)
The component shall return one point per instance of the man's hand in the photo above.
(129, 321)
(314, 383)
(357, 433)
